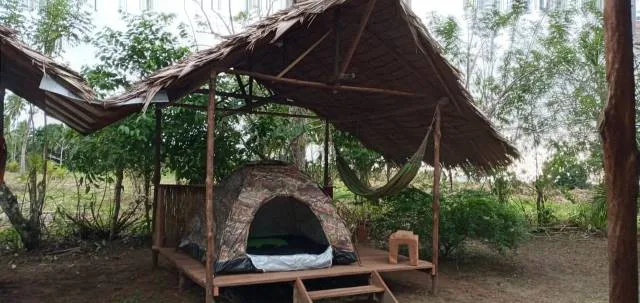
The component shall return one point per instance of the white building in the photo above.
(533, 6)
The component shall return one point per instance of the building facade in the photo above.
(532, 5)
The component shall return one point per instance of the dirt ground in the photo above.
(557, 268)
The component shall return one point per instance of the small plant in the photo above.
(502, 187)
(10, 239)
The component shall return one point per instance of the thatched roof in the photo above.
(54, 88)
(396, 52)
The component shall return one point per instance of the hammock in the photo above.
(399, 182)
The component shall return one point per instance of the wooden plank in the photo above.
(387, 296)
(188, 266)
(372, 260)
(345, 292)
(300, 294)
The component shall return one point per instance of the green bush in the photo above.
(464, 216)
(593, 216)
(13, 166)
(10, 239)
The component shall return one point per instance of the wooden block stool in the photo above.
(403, 237)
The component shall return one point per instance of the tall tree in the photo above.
(57, 22)
(145, 46)
(618, 132)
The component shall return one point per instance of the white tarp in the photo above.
(51, 85)
(292, 262)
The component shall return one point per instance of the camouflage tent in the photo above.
(265, 200)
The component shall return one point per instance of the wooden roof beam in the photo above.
(273, 99)
(248, 111)
(325, 86)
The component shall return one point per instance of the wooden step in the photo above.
(345, 292)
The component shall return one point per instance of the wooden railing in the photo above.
(176, 205)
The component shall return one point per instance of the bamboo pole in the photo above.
(356, 40)
(320, 85)
(303, 55)
(156, 178)
(210, 207)
(618, 132)
(437, 168)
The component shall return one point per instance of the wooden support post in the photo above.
(160, 220)
(210, 207)
(157, 142)
(327, 187)
(436, 202)
(618, 132)
(3, 144)
(356, 40)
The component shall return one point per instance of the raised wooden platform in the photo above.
(370, 260)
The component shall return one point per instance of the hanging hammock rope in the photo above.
(400, 180)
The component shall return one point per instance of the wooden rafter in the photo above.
(273, 99)
(303, 55)
(243, 110)
(356, 40)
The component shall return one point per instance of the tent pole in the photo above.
(618, 133)
(329, 191)
(436, 202)
(157, 142)
(211, 126)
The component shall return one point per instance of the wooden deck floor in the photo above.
(370, 259)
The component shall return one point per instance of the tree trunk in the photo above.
(540, 204)
(29, 235)
(117, 200)
(618, 132)
(25, 142)
(298, 151)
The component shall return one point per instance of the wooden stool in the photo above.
(403, 237)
